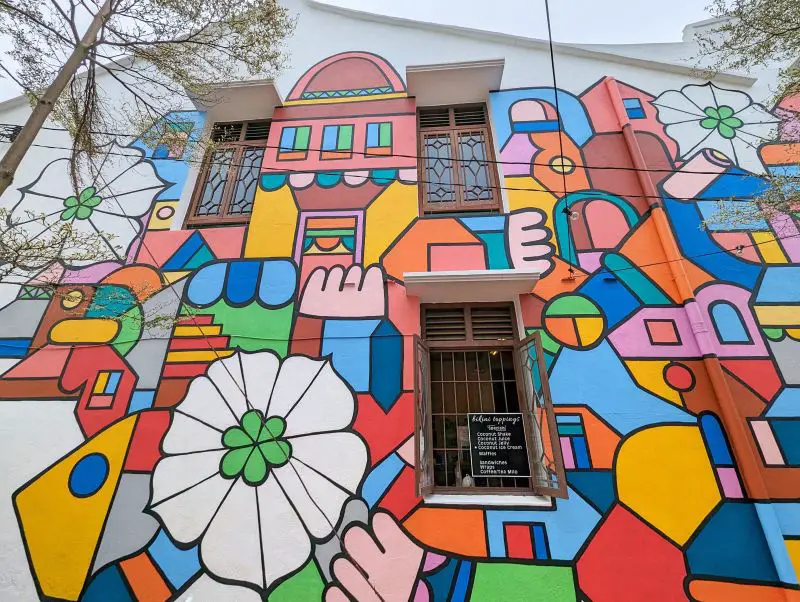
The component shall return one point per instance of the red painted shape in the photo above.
(518, 542)
(384, 431)
(203, 320)
(760, 375)
(307, 336)
(627, 561)
(184, 370)
(401, 497)
(81, 372)
(145, 449)
(171, 391)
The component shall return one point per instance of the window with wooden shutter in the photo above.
(470, 362)
(228, 181)
(456, 167)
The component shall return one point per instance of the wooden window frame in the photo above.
(223, 218)
(423, 418)
(459, 205)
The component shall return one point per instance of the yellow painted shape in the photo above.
(198, 331)
(61, 530)
(72, 299)
(768, 247)
(793, 547)
(157, 223)
(84, 330)
(533, 196)
(664, 475)
(589, 329)
(649, 374)
(387, 216)
(328, 101)
(778, 315)
(197, 356)
(272, 225)
(102, 381)
(172, 277)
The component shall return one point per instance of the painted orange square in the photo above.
(662, 332)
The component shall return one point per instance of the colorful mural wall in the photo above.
(259, 442)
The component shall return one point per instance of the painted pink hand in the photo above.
(383, 565)
(336, 294)
(527, 241)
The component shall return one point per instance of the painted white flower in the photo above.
(258, 464)
(705, 116)
(112, 198)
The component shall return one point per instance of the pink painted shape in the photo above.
(422, 594)
(566, 452)
(662, 333)
(786, 230)
(740, 298)
(49, 275)
(406, 451)
(100, 401)
(404, 314)
(159, 245)
(518, 153)
(730, 482)
(335, 293)
(456, 257)
(766, 441)
(630, 337)
(731, 240)
(589, 260)
(607, 224)
(432, 560)
(226, 243)
(312, 262)
(683, 184)
(48, 362)
(90, 275)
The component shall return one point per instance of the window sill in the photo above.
(469, 286)
(488, 499)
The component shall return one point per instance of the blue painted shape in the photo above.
(596, 486)
(786, 404)
(278, 282)
(141, 400)
(382, 177)
(177, 565)
(485, 223)
(495, 250)
(161, 152)
(632, 103)
(206, 284)
(788, 514)
(735, 183)
(113, 382)
(462, 582)
(695, 242)
(272, 181)
(574, 118)
(732, 545)
(573, 520)
(329, 179)
(185, 252)
(581, 452)
(386, 365)
(787, 434)
(616, 301)
(441, 581)
(710, 211)
(380, 477)
(14, 347)
(373, 134)
(532, 127)
(173, 171)
(729, 323)
(777, 548)
(568, 418)
(715, 440)
(571, 429)
(110, 301)
(240, 287)
(539, 543)
(617, 400)
(287, 139)
(107, 586)
(330, 133)
(635, 280)
(88, 475)
(781, 284)
(348, 343)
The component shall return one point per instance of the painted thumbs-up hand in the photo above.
(334, 293)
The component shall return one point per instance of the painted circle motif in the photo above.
(561, 164)
(165, 212)
(72, 299)
(679, 377)
(574, 321)
(88, 475)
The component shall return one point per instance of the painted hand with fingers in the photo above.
(528, 245)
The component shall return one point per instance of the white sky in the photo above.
(579, 21)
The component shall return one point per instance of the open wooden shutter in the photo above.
(547, 465)
(422, 420)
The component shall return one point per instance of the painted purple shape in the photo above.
(630, 338)
(432, 560)
(566, 452)
(786, 230)
(517, 155)
(739, 297)
(91, 274)
(730, 482)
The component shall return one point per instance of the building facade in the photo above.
(426, 328)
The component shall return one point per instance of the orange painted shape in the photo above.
(602, 440)
(330, 222)
(562, 330)
(144, 579)
(456, 530)
(724, 591)
(143, 280)
(780, 154)
(558, 281)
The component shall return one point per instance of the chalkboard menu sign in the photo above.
(497, 445)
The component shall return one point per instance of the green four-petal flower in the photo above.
(722, 119)
(81, 206)
(254, 447)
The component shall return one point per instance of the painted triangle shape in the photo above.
(188, 255)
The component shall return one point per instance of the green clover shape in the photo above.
(81, 206)
(254, 447)
(722, 119)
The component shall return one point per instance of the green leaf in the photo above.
(68, 214)
(252, 423)
(726, 131)
(87, 193)
(91, 202)
(277, 453)
(236, 437)
(733, 122)
(273, 428)
(233, 461)
(709, 123)
(82, 212)
(255, 470)
(70, 201)
(711, 112)
(725, 111)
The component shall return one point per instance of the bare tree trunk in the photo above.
(11, 160)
